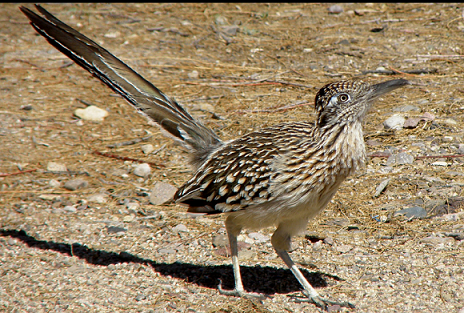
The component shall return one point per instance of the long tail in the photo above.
(139, 92)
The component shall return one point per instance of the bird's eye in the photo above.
(344, 97)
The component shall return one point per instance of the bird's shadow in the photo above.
(258, 279)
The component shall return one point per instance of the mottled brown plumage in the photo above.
(279, 176)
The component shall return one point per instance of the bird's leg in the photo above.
(238, 291)
(281, 243)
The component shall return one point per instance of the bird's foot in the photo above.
(240, 293)
(321, 302)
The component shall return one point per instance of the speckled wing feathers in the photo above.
(242, 172)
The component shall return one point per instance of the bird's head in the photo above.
(347, 102)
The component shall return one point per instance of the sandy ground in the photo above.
(237, 68)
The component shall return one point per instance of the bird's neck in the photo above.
(345, 143)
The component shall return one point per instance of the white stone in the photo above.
(142, 170)
(148, 148)
(395, 121)
(91, 113)
(98, 197)
(56, 167)
(440, 163)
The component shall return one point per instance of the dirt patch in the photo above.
(237, 68)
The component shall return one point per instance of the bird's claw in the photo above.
(321, 302)
(240, 293)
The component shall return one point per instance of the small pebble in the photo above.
(132, 206)
(317, 245)
(412, 122)
(428, 116)
(258, 237)
(220, 20)
(54, 183)
(75, 184)
(161, 193)
(440, 163)
(128, 218)
(115, 229)
(329, 241)
(394, 122)
(193, 74)
(56, 167)
(404, 158)
(413, 212)
(381, 187)
(180, 228)
(98, 197)
(70, 209)
(26, 107)
(142, 170)
(148, 148)
(230, 30)
(335, 9)
(344, 248)
(140, 297)
(91, 113)
(220, 240)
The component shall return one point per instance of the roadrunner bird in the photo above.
(279, 176)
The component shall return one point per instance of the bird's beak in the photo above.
(385, 87)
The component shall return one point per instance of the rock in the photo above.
(400, 158)
(344, 248)
(54, 183)
(220, 240)
(407, 108)
(49, 197)
(115, 229)
(56, 167)
(317, 245)
(428, 116)
(230, 30)
(91, 113)
(140, 297)
(147, 149)
(335, 9)
(413, 212)
(394, 122)
(70, 209)
(180, 228)
(128, 218)
(142, 170)
(440, 163)
(412, 122)
(134, 206)
(329, 241)
(220, 20)
(98, 197)
(381, 187)
(258, 237)
(193, 74)
(423, 101)
(404, 158)
(75, 184)
(162, 193)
